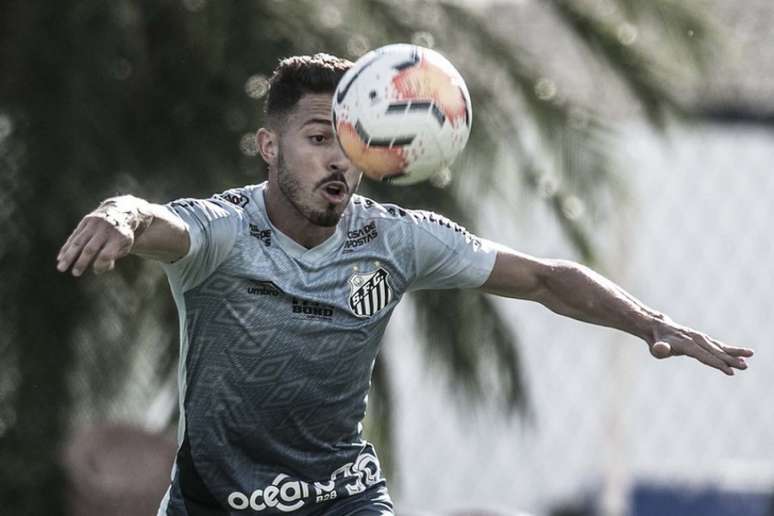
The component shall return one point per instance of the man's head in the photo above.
(306, 164)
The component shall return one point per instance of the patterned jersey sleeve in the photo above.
(447, 255)
(213, 225)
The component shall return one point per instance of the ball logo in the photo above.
(369, 293)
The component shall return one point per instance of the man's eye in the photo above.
(318, 138)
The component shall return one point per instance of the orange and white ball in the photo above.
(402, 113)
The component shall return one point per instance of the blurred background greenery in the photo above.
(159, 99)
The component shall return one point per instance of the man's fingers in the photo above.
(72, 248)
(95, 242)
(684, 341)
(738, 355)
(89, 251)
(705, 357)
(106, 259)
(739, 352)
(721, 351)
(104, 266)
(69, 240)
(661, 350)
(734, 351)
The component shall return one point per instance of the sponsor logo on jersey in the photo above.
(263, 288)
(264, 235)
(236, 198)
(312, 310)
(286, 494)
(370, 292)
(360, 237)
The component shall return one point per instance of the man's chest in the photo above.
(344, 288)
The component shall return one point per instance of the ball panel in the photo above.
(352, 74)
(378, 162)
(428, 81)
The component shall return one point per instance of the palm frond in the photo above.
(646, 80)
(689, 29)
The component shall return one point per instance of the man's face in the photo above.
(313, 173)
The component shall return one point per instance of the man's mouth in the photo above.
(334, 191)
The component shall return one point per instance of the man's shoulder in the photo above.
(403, 225)
(364, 208)
(243, 196)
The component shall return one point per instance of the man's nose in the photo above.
(338, 161)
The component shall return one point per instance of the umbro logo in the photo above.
(263, 288)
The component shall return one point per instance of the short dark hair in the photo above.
(298, 75)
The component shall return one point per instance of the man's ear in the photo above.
(268, 145)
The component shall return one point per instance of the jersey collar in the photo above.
(295, 250)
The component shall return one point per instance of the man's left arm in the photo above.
(573, 290)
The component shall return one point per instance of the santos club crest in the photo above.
(369, 293)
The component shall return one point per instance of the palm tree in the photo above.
(148, 97)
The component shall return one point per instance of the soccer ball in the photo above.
(402, 113)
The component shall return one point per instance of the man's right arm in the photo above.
(118, 227)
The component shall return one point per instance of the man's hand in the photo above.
(119, 226)
(669, 339)
(99, 239)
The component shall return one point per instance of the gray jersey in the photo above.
(278, 343)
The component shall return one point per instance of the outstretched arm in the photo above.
(118, 227)
(576, 291)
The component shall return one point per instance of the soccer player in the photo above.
(284, 290)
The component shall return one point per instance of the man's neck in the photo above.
(285, 217)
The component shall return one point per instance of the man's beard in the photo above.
(292, 190)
